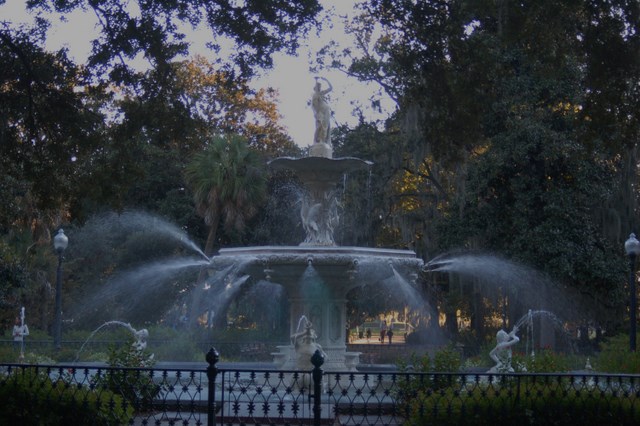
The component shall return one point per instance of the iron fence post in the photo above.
(317, 360)
(212, 372)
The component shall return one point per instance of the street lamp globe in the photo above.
(61, 241)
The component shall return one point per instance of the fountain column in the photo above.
(317, 287)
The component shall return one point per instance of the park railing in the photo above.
(212, 395)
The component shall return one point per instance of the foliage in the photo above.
(446, 360)
(228, 183)
(79, 139)
(35, 359)
(522, 402)
(155, 30)
(495, 146)
(128, 355)
(33, 398)
(615, 357)
(13, 278)
(130, 378)
(544, 361)
(48, 128)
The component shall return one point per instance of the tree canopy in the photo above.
(515, 132)
(155, 30)
(78, 139)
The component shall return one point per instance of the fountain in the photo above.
(317, 274)
(140, 338)
(524, 288)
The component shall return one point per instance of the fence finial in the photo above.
(212, 356)
(317, 359)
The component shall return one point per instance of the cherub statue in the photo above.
(501, 354)
(141, 340)
(304, 342)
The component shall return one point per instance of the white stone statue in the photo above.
(304, 344)
(141, 336)
(501, 354)
(321, 112)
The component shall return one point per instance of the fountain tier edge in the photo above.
(317, 280)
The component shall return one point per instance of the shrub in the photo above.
(127, 379)
(447, 360)
(528, 402)
(30, 397)
(615, 356)
(543, 361)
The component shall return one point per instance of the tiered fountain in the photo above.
(317, 275)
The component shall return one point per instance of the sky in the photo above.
(290, 76)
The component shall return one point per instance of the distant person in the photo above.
(383, 330)
(390, 334)
(19, 332)
(368, 334)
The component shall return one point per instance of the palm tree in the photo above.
(228, 183)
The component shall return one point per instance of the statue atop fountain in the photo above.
(322, 113)
(502, 354)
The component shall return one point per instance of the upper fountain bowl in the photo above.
(317, 169)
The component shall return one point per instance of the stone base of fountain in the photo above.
(337, 359)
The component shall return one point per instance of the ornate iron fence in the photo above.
(40, 394)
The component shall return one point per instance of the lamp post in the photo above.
(60, 242)
(632, 247)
